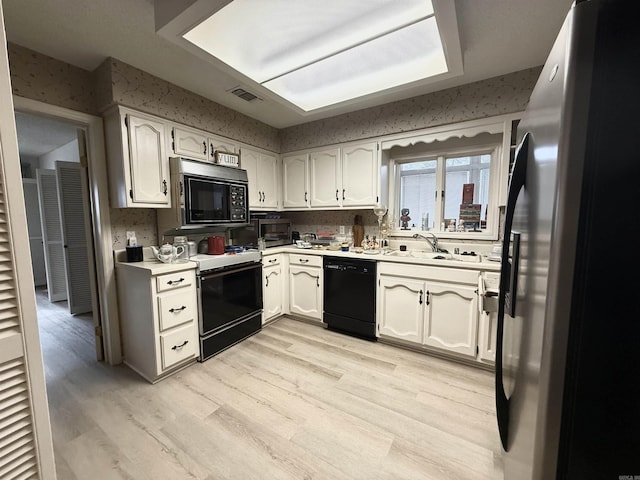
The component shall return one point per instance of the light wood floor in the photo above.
(295, 401)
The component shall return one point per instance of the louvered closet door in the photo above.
(17, 459)
(70, 176)
(30, 187)
(24, 454)
(52, 235)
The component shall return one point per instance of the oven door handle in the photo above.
(227, 272)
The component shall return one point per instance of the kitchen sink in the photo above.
(430, 255)
(422, 254)
(436, 255)
(467, 258)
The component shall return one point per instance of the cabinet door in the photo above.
(452, 317)
(149, 161)
(249, 161)
(221, 145)
(272, 292)
(294, 181)
(268, 180)
(324, 178)
(401, 308)
(305, 291)
(190, 143)
(360, 175)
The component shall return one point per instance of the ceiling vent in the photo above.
(243, 94)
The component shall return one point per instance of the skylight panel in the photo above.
(315, 54)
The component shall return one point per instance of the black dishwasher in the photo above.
(350, 296)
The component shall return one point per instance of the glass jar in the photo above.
(181, 241)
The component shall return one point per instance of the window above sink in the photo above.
(450, 181)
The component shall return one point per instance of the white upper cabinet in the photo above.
(190, 143)
(263, 173)
(346, 176)
(217, 144)
(360, 175)
(137, 159)
(325, 178)
(198, 144)
(295, 183)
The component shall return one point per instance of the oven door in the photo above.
(229, 295)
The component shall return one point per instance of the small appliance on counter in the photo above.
(324, 239)
(134, 251)
(274, 231)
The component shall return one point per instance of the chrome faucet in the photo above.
(432, 243)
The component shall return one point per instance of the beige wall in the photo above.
(48, 80)
(51, 81)
(495, 96)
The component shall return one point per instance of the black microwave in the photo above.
(205, 194)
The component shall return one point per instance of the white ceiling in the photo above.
(496, 37)
(40, 135)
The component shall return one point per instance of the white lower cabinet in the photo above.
(273, 283)
(436, 308)
(452, 317)
(400, 309)
(158, 317)
(305, 285)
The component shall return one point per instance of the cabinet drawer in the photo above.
(310, 260)
(175, 308)
(169, 281)
(268, 260)
(178, 345)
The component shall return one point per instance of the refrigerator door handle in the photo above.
(508, 276)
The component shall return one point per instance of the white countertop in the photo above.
(484, 264)
(155, 267)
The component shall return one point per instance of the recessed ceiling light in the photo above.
(315, 54)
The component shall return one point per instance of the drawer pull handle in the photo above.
(172, 282)
(273, 260)
(173, 310)
(304, 260)
(178, 347)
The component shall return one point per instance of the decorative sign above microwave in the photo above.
(228, 159)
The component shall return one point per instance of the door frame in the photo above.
(100, 214)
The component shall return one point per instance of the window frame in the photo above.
(493, 148)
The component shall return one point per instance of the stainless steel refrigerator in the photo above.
(568, 353)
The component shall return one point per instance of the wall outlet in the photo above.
(341, 229)
(131, 235)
